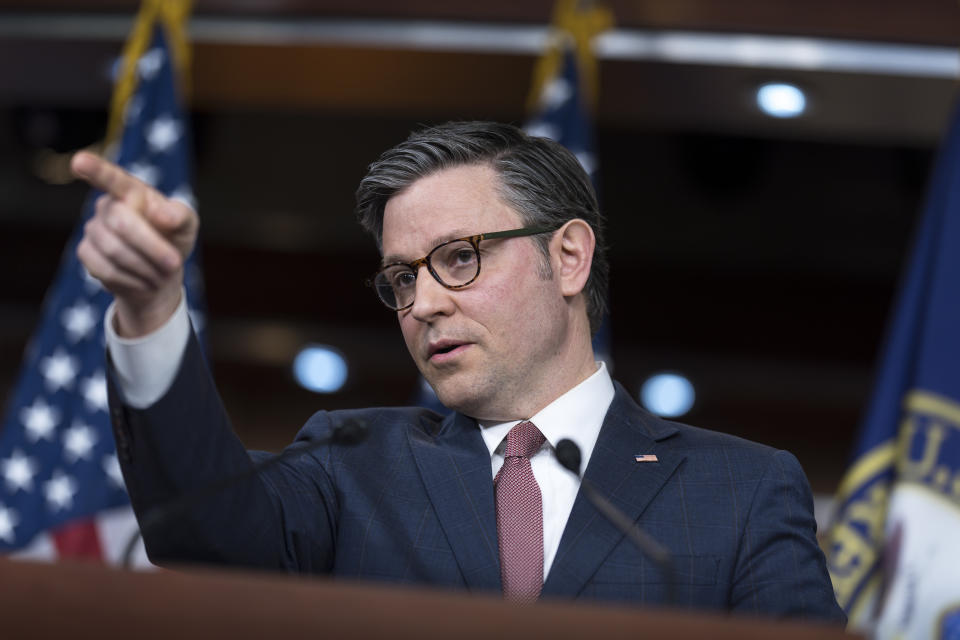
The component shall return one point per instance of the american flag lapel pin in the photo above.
(646, 457)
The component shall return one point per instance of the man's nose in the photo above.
(432, 298)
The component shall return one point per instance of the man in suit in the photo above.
(493, 260)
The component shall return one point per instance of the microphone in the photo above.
(349, 433)
(568, 454)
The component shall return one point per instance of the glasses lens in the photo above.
(456, 263)
(396, 286)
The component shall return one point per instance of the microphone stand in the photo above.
(568, 454)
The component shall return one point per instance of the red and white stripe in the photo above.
(101, 538)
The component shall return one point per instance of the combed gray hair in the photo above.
(540, 179)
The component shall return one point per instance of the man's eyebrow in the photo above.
(392, 259)
(437, 241)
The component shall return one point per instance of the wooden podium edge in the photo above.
(43, 600)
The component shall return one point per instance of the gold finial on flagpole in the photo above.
(579, 22)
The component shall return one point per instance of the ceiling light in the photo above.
(781, 100)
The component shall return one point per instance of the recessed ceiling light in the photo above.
(781, 100)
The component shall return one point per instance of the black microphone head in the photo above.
(350, 432)
(568, 454)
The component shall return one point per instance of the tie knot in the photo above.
(523, 440)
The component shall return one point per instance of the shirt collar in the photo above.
(576, 415)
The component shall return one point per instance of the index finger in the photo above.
(105, 175)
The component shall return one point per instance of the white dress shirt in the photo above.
(576, 415)
(146, 367)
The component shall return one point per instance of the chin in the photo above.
(456, 398)
(451, 400)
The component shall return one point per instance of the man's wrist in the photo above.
(135, 320)
(145, 366)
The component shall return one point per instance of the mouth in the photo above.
(444, 350)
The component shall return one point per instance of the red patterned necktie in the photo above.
(520, 516)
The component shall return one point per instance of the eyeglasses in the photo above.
(454, 264)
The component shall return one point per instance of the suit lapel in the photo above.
(589, 537)
(455, 467)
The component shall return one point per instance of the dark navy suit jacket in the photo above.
(414, 503)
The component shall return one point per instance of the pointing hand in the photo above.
(135, 244)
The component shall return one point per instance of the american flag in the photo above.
(61, 491)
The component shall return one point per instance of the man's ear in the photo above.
(572, 254)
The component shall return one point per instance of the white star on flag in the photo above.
(39, 419)
(78, 442)
(58, 370)
(145, 173)
(8, 520)
(150, 63)
(59, 491)
(94, 392)
(111, 466)
(555, 93)
(162, 134)
(542, 130)
(78, 321)
(18, 471)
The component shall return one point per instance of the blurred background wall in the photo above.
(756, 255)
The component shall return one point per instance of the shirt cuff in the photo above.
(146, 366)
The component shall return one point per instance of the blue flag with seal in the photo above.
(892, 548)
(61, 492)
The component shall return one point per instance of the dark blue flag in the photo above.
(892, 548)
(61, 492)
